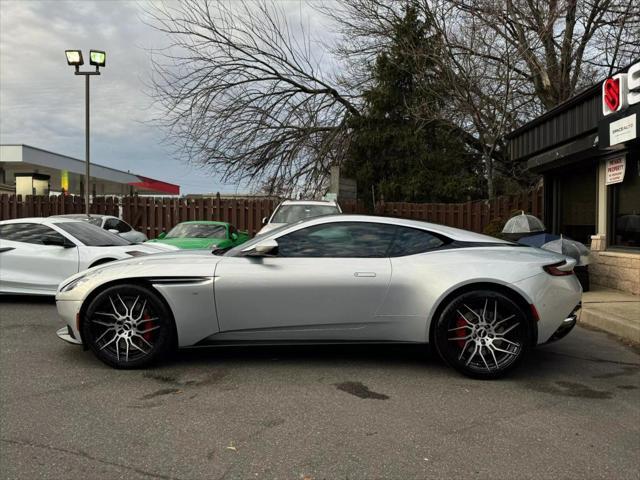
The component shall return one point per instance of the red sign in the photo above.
(156, 186)
(612, 93)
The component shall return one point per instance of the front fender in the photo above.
(184, 282)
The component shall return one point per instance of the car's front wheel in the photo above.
(128, 326)
(482, 334)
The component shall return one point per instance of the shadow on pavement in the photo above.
(384, 354)
(42, 299)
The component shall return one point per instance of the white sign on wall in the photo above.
(622, 130)
(615, 170)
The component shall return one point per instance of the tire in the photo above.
(128, 326)
(478, 342)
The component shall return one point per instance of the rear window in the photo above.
(293, 213)
(93, 220)
(411, 241)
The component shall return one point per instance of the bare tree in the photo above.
(504, 61)
(555, 47)
(243, 95)
(511, 60)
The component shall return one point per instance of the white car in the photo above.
(292, 211)
(36, 254)
(112, 224)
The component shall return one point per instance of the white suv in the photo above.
(291, 211)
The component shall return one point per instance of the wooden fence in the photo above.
(475, 215)
(14, 206)
(153, 215)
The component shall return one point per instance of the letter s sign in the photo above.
(633, 84)
(620, 91)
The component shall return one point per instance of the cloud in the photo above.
(42, 102)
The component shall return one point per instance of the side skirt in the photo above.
(246, 343)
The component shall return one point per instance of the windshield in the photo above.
(197, 230)
(293, 213)
(92, 236)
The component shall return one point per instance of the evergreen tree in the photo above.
(402, 158)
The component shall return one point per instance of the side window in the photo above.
(115, 224)
(410, 241)
(338, 240)
(122, 227)
(111, 224)
(27, 232)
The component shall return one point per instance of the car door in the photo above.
(29, 263)
(326, 282)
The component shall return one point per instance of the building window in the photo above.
(575, 200)
(624, 215)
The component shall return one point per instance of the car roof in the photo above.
(450, 232)
(43, 220)
(82, 215)
(310, 202)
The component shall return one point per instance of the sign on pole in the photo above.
(615, 170)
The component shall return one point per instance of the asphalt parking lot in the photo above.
(572, 411)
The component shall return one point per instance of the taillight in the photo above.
(559, 269)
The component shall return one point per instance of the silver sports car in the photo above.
(482, 302)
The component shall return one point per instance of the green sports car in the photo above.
(203, 234)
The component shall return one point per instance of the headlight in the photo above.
(74, 283)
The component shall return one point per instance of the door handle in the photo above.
(364, 274)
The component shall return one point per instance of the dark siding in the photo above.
(565, 123)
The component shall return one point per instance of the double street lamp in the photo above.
(98, 59)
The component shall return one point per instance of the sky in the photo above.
(42, 101)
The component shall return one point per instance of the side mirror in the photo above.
(161, 236)
(113, 230)
(265, 220)
(58, 241)
(266, 247)
(234, 236)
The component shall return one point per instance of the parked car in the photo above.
(483, 302)
(202, 234)
(291, 211)
(36, 254)
(112, 224)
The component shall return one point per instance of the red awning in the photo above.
(156, 186)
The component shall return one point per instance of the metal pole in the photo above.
(87, 175)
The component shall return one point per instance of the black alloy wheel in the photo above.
(483, 334)
(128, 326)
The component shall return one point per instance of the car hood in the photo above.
(176, 264)
(188, 243)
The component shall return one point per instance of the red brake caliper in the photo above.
(463, 332)
(146, 326)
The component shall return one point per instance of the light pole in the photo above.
(98, 59)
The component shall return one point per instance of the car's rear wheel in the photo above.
(128, 326)
(483, 334)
